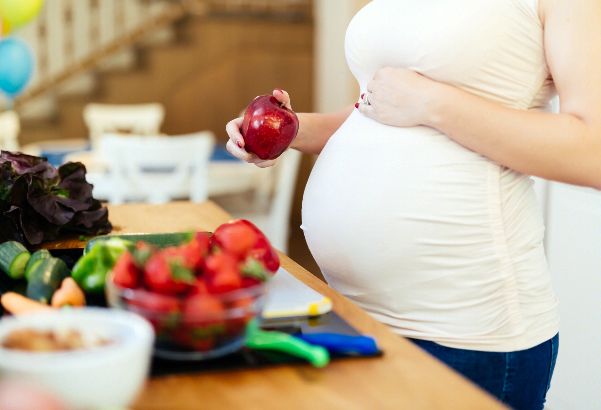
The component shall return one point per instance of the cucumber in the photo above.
(13, 259)
(35, 257)
(45, 278)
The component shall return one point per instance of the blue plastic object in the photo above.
(342, 344)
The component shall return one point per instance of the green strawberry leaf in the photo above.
(181, 273)
(255, 269)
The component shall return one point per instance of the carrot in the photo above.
(19, 304)
(69, 294)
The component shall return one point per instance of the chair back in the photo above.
(9, 131)
(136, 119)
(157, 169)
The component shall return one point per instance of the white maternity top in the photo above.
(435, 240)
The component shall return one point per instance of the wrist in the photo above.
(438, 96)
(297, 141)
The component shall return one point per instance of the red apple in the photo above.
(268, 127)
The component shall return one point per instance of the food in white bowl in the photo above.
(108, 368)
(61, 340)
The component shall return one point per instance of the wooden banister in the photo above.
(174, 12)
(72, 63)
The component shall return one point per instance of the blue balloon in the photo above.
(16, 66)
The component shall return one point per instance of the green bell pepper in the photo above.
(91, 270)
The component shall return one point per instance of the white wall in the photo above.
(574, 252)
(573, 243)
(335, 85)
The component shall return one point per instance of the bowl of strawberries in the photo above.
(198, 295)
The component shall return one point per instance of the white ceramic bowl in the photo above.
(105, 376)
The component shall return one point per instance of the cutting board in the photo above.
(289, 297)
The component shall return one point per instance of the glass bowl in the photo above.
(187, 331)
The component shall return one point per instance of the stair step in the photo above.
(129, 87)
(39, 109)
(39, 130)
(123, 60)
(81, 85)
(162, 69)
(204, 76)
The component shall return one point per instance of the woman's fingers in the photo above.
(262, 163)
(238, 152)
(367, 109)
(265, 163)
(233, 131)
(246, 156)
(283, 97)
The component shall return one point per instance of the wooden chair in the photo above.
(136, 119)
(9, 131)
(155, 169)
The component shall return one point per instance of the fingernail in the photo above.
(357, 105)
(362, 95)
(239, 144)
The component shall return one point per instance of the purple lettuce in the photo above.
(39, 203)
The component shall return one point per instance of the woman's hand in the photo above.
(236, 143)
(398, 97)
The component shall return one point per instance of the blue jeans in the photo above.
(519, 379)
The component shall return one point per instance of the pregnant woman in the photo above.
(420, 207)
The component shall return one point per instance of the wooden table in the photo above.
(404, 378)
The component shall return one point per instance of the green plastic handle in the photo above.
(283, 342)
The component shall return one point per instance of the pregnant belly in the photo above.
(400, 216)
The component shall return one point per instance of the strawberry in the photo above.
(203, 310)
(195, 251)
(264, 252)
(162, 311)
(222, 273)
(242, 311)
(142, 253)
(248, 282)
(155, 303)
(202, 344)
(193, 339)
(204, 322)
(165, 273)
(203, 239)
(199, 288)
(125, 272)
(236, 237)
(224, 282)
(220, 262)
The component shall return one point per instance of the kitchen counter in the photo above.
(404, 378)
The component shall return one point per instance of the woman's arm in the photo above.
(316, 129)
(564, 147)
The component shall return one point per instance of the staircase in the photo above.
(203, 60)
